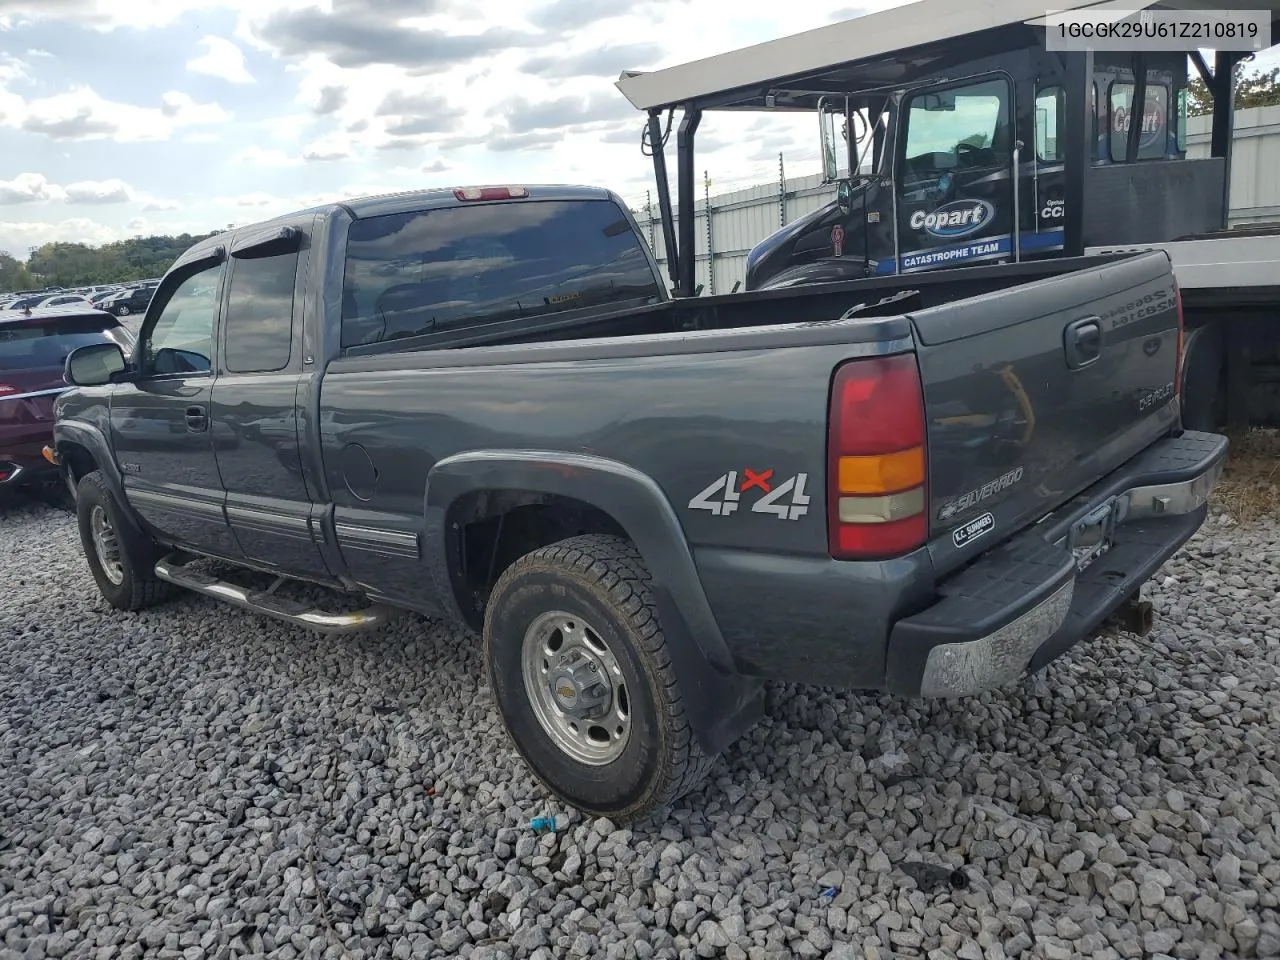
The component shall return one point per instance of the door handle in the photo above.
(197, 419)
(1082, 342)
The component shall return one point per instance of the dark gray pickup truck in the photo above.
(483, 405)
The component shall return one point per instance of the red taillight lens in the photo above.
(1177, 370)
(876, 406)
(6, 389)
(877, 503)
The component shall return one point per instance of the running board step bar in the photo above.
(173, 569)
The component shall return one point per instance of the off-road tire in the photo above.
(138, 588)
(603, 580)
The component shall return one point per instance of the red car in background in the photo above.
(33, 351)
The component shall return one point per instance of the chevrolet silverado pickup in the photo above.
(484, 405)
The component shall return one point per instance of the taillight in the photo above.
(490, 193)
(877, 502)
(1177, 370)
(6, 389)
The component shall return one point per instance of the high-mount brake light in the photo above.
(877, 467)
(490, 193)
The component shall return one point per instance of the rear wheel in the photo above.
(122, 310)
(121, 560)
(580, 670)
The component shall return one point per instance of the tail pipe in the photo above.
(1135, 616)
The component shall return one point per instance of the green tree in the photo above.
(13, 273)
(78, 265)
(1258, 88)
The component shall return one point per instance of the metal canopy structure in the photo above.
(863, 59)
(878, 48)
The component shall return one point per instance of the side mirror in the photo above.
(844, 197)
(94, 365)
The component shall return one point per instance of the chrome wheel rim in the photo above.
(576, 688)
(106, 545)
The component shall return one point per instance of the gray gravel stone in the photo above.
(1227, 870)
(1124, 892)
(193, 781)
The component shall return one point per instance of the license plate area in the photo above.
(1092, 535)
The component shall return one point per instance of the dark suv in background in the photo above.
(128, 302)
(33, 352)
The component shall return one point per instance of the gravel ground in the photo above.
(195, 782)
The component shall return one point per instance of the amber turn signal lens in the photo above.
(885, 473)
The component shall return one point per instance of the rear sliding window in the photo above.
(456, 268)
(28, 346)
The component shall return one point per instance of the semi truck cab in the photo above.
(970, 141)
(938, 165)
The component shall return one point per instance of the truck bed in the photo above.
(813, 303)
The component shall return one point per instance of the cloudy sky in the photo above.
(125, 117)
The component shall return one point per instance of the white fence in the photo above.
(741, 219)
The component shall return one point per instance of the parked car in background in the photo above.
(126, 302)
(33, 351)
(46, 301)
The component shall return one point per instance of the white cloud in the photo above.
(36, 188)
(182, 110)
(83, 114)
(221, 59)
(108, 15)
(28, 188)
(158, 203)
(99, 191)
(332, 147)
(12, 70)
(18, 236)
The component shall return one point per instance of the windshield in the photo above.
(25, 346)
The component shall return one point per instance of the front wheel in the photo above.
(122, 310)
(121, 560)
(580, 670)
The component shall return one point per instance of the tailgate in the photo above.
(1035, 392)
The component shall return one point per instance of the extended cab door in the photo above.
(160, 418)
(255, 401)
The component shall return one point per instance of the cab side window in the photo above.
(1049, 118)
(181, 339)
(1152, 139)
(259, 319)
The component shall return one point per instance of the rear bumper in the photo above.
(1026, 602)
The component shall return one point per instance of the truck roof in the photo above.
(869, 51)
(391, 203)
(377, 206)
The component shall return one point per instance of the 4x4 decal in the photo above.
(787, 501)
